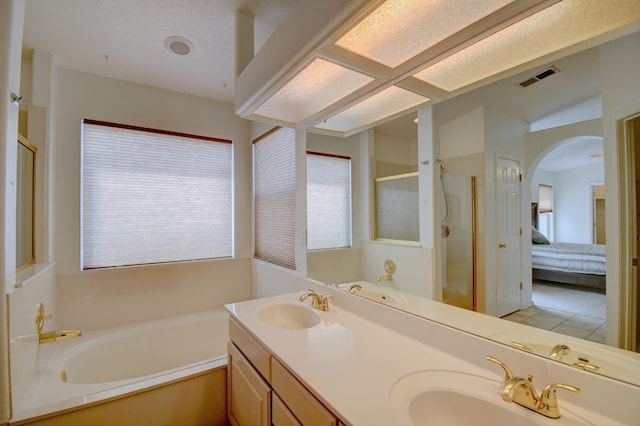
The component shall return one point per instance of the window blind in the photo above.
(150, 196)
(545, 198)
(328, 201)
(275, 197)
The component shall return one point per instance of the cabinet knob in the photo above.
(502, 245)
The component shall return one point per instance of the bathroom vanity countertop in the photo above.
(347, 361)
(352, 363)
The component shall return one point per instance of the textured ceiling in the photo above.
(124, 39)
(577, 82)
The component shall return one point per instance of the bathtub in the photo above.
(104, 366)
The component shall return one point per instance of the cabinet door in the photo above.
(248, 395)
(304, 406)
(281, 416)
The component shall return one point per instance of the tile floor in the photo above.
(568, 323)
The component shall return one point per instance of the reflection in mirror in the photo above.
(458, 240)
(396, 207)
(24, 204)
(525, 123)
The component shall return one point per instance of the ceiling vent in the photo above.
(540, 76)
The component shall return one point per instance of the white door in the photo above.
(508, 236)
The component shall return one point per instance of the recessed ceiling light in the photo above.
(179, 45)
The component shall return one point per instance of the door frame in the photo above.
(623, 299)
(628, 296)
(592, 214)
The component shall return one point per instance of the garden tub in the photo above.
(94, 377)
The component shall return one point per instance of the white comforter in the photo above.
(570, 257)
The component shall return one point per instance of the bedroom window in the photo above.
(545, 198)
(274, 192)
(545, 210)
(328, 201)
(151, 196)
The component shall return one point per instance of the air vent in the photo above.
(540, 76)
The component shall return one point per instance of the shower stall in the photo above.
(458, 232)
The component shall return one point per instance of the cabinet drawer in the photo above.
(304, 406)
(280, 414)
(251, 348)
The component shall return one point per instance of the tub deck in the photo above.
(106, 364)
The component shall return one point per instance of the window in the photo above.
(545, 210)
(275, 197)
(397, 207)
(151, 196)
(328, 201)
(545, 198)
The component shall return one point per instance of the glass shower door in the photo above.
(458, 240)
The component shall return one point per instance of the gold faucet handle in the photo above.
(40, 316)
(508, 375)
(548, 402)
(548, 396)
(323, 304)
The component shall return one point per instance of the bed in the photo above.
(570, 263)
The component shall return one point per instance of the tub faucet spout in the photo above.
(354, 288)
(56, 336)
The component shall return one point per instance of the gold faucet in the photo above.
(390, 269)
(521, 391)
(318, 301)
(56, 336)
(51, 336)
(558, 351)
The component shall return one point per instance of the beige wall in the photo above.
(138, 293)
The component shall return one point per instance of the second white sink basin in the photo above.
(438, 397)
(289, 316)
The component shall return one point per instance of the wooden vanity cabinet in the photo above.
(261, 391)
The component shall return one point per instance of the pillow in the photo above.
(538, 237)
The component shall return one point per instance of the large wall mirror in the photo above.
(25, 191)
(567, 100)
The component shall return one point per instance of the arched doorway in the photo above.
(567, 269)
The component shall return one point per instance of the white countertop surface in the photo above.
(352, 363)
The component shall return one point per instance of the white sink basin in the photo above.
(289, 316)
(451, 398)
